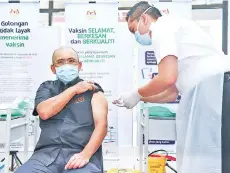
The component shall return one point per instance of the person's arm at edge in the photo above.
(167, 96)
(100, 112)
(166, 78)
(167, 52)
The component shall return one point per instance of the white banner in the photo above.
(18, 38)
(161, 131)
(18, 32)
(93, 35)
(49, 41)
(126, 79)
(45, 46)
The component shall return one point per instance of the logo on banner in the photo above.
(91, 14)
(14, 12)
(165, 11)
(122, 16)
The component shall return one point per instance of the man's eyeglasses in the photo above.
(71, 61)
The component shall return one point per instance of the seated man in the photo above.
(73, 121)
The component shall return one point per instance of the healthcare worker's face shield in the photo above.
(142, 32)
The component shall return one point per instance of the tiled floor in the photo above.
(114, 165)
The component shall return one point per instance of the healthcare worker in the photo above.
(189, 63)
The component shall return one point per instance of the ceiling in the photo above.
(126, 3)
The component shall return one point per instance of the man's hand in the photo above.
(128, 100)
(50, 106)
(78, 160)
(84, 86)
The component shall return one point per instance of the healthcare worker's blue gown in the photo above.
(201, 68)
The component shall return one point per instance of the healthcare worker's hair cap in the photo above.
(143, 7)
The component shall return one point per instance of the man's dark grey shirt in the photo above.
(70, 130)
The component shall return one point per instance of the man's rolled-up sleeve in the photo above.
(43, 93)
(99, 88)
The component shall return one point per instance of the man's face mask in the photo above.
(67, 73)
(143, 39)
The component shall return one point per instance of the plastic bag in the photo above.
(18, 107)
(160, 111)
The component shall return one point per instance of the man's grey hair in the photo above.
(65, 48)
(139, 8)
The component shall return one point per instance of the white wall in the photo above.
(211, 21)
(125, 3)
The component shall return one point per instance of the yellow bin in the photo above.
(157, 164)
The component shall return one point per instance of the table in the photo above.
(15, 129)
(143, 134)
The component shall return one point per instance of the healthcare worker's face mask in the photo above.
(143, 39)
(67, 73)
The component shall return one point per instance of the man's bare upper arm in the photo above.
(100, 108)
